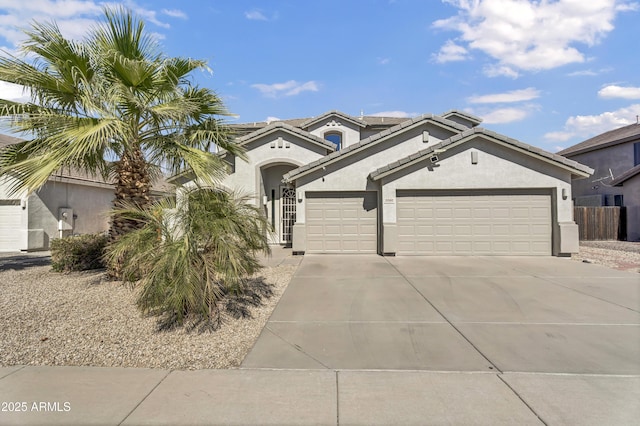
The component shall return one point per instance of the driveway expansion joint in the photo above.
(492, 366)
(521, 399)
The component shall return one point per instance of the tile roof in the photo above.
(474, 119)
(367, 120)
(626, 176)
(372, 140)
(328, 114)
(279, 125)
(427, 152)
(610, 138)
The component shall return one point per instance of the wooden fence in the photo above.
(600, 223)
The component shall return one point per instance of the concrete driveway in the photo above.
(521, 340)
(504, 314)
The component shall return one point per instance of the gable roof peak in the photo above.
(475, 120)
(313, 120)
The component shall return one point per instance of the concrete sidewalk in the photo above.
(114, 396)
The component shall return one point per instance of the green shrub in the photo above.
(79, 253)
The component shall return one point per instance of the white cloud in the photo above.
(175, 13)
(505, 115)
(271, 119)
(383, 61)
(451, 52)
(507, 97)
(396, 114)
(589, 72)
(585, 126)
(73, 17)
(531, 35)
(14, 92)
(498, 70)
(288, 88)
(255, 15)
(614, 91)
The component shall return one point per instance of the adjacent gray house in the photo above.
(71, 202)
(430, 185)
(615, 158)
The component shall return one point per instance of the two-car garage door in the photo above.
(474, 223)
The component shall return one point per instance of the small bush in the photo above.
(79, 253)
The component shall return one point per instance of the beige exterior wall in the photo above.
(277, 148)
(498, 167)
(351, 173)
(350, 132)
(90, 204)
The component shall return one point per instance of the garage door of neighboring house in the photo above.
(474, 223)
(341, 222)
(10, 225)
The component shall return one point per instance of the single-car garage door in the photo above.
(341, 222)
(474, 223)
(10, 225)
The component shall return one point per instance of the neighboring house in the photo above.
(630, 183)
(615, 157)
(431, 185)
(70, 203)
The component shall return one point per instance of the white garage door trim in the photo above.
(341, 222)
(488, 222)
(10, 225)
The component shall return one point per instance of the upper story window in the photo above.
(636, 153)
(335, 138)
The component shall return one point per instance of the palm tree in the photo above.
(110, 104)
(187, 257)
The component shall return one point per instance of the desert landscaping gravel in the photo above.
(49, 318)
(622, 255)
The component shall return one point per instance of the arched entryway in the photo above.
(278, 200)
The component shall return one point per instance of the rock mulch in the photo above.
(622, 255)
(81, 319)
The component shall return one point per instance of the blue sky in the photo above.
(549, 73)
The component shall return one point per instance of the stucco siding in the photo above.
(276, 148)
(631, 194)
(498, 167)
(618, 158)
(351, 173)
(90, 205)
(350, 132)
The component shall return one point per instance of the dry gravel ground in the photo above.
(48, 318)
(623, 255)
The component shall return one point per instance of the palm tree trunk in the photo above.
(132, 187)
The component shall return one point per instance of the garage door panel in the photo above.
(341, 222)
(474, 224)
(10, 225)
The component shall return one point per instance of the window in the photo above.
(335, 138)
(636, 153)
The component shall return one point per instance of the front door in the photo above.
(288, 213)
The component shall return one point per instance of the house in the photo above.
(430, 185)
(615, 157)
(630, 183)
(71, 202)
